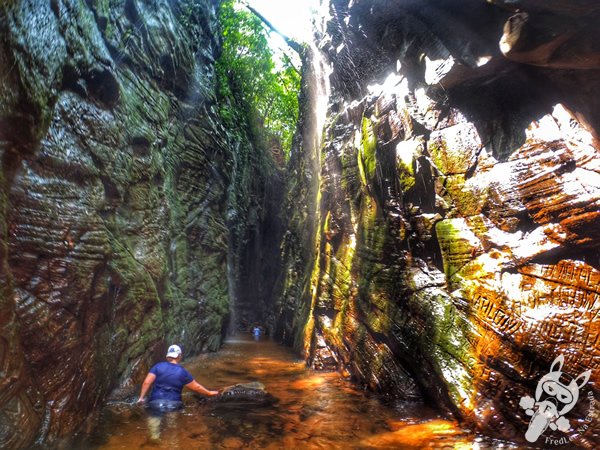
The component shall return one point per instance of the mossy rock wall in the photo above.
(119, 192)
(457, 248)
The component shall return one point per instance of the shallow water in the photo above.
(314, 411)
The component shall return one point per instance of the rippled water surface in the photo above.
(314, 410)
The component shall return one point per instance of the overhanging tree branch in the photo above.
(289, 41)
(291, 63)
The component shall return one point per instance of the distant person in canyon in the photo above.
(169, 379)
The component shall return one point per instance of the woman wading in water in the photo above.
(169, 379)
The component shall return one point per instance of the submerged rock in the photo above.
(253, 392)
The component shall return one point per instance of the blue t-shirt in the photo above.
(169, 382)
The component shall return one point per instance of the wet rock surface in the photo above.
(439, 227)
(457, 249)
(252, 393)
(117, 201)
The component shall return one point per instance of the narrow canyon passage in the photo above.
(408, 200)
(319, 410)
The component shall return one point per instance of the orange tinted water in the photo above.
(314, 411)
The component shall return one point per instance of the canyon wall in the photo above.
(436, 235)
(456, 252)
(120, 190)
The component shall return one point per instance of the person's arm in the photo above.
(146, 386)
(197, 387)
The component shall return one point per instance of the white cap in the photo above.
(174, 351)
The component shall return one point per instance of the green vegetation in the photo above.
(254, 87)
(366, 156)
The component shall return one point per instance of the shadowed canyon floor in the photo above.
(314, 410)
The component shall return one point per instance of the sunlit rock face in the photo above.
(290, 311)
(459, 207)
(117, 200)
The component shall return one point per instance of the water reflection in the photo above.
(314, 411)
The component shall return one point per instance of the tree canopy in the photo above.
(255, 86)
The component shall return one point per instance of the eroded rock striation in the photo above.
(120, 190)
(457, 248)
(438, 237)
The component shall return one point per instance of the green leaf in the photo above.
(252, 88)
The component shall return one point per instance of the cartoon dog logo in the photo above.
(553, 400)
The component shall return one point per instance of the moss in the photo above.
(467, 198)
(144, 107)
(315, 279)
(454, 149)
(438, 151)
(457, 244)
(447, 340)
(367, 161)
(407, 180)
(343, 274)
(335, 291)
(326, 222)
(406, 152)
(375, 274)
